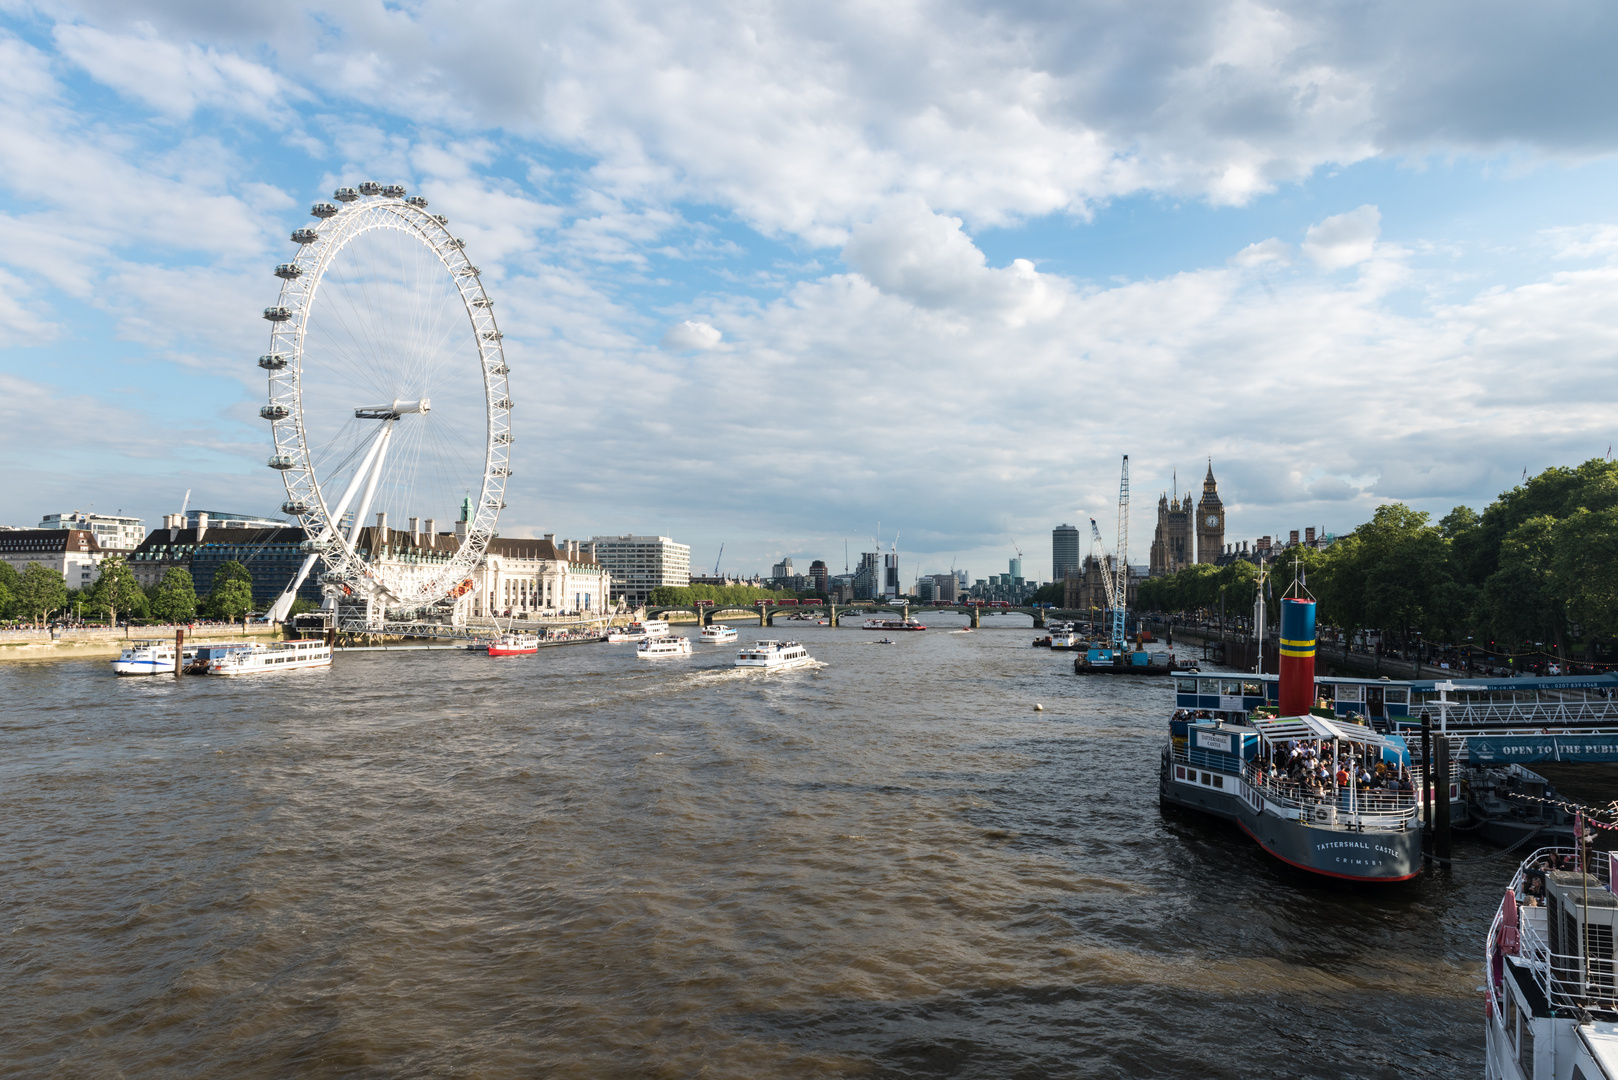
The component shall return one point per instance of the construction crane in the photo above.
(721, 556)
(1120, 594)
(1098, 555)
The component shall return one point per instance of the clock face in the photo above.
(1213, 521)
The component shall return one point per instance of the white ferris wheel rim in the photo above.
(346, 569)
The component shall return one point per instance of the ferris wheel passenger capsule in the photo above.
(283, 462)
(345, 194)
(272, 362)
(277, 314)
(323, 210)
(370, 187)
(296, 507)
(307, 547)
(274, 412)
(441, 219)
(288, 270)
(304, 236)
(394, 191)
(417, 201)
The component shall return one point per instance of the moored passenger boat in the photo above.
(1550, 989)
(893, 624)
(774, 655)
(660, 647)
(1326, 796)
(276, 656)
(151, 658)
(718, 634)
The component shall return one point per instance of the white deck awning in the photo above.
(1316, 727)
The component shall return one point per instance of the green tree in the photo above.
(224, 600)
(116, 590)
(1053, 593)
(231, 600)
(174, 599)
(40, 592)
(721, 595)
(1585, 569)
(7, 602)
(300, 606)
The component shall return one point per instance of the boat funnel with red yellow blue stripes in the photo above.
(1297, 656)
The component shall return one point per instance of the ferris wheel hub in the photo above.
(393, 411)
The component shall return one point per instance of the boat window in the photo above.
(1400, 696)
(1230, 687)
(1350, 692)
(1252, 689)
(1185, 686)
(1208, 686)
(1325, 690)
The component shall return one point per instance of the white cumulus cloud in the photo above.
(1344, 239)
(689, 335)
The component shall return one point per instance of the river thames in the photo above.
(580, 864)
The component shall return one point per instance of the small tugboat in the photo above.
(774, 656)
(1325, 795)
(1106, 660)
(514, 644)
(718, 634)
(660, 647)
(151, 658)
(1550, 1006)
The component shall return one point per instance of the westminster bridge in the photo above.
(766, 612)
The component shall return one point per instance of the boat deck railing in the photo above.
(1343, 807)
(1568, 981)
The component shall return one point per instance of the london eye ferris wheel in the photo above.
(388, 397)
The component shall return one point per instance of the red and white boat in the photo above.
(511, 644)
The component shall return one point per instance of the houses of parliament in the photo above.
(1179, 524)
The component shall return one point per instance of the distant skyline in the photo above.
(769, 275)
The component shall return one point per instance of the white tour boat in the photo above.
(774, 655)
(277, 656)
(653, 627)
(893, 624)
(659, 647)
(514, 644)
(1550, 1001)
(619, 635)
(718, 634)
(151, 658)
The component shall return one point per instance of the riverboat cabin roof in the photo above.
(1280, 728)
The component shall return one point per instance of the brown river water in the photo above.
(582, 864)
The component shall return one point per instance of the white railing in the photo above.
(1369, 808)
(1563, 978)
(1530, 714)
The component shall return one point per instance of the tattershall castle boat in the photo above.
(1325, 795)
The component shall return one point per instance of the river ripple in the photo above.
(580, 864)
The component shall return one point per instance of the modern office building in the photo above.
(818, 576)
(113, 533)
(1065, 553)
(1016, 569)
(867, 576)
(639, 564)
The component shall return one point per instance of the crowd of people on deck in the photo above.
(1307, 768)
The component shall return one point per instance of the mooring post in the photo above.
(1426, 773)
(1441, 811)
(179, 650)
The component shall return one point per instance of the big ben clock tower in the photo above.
(1210, 521)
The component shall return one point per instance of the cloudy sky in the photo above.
(770, 274)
